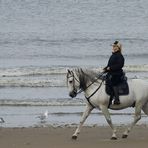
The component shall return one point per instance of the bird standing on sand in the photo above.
(44, 116)
(2, 120)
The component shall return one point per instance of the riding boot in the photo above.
(116, 101)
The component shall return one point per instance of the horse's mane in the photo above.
(86, 75)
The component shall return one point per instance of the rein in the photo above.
(81, 90)
(88, 98)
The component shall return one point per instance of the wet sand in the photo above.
(60, 137)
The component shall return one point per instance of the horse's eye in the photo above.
(70, 82)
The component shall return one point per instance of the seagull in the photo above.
(44, 116)
(2, 120)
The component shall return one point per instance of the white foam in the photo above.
(136, 68)
(28, 71)
(48, 76)
(55, 102)
(31, 82)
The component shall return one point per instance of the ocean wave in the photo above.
(137, 55)
(95, 56)
(136, 68)
(39, 71)
(55, 102)
(32, 82)
(46, 39)
(50, 77)
(59, 103)
(31, 71)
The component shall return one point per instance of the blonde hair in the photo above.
(119, 47)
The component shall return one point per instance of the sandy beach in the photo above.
(61, 138)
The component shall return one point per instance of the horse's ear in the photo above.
(69, 71)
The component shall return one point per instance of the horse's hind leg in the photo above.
(86, 113)
(137, 117)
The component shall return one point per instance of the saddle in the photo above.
(123, 88)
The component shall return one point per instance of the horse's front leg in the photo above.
(86, 113)
(108, 119)
(137, 117)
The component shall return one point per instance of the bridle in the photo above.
(74, 89)
(82, 90)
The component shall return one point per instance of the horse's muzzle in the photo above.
(73, 94)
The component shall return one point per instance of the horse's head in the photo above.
(73, 83)
(79, 80)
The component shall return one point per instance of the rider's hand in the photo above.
(106, 69)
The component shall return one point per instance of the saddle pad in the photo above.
(123, 89)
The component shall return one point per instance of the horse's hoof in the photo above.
(124, 136)
(113, 138)
(74, 137)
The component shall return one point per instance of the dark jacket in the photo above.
(116, 63)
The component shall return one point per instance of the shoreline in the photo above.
(60, 137)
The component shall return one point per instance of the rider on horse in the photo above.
(114, 69)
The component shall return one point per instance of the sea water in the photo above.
(41, 39)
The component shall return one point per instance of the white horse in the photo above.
(79, 80)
